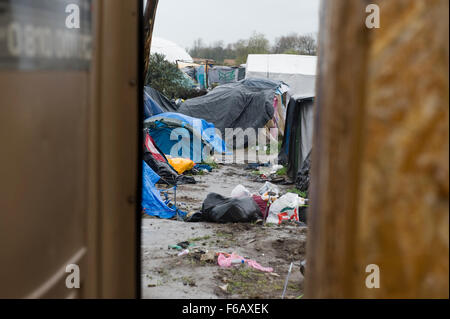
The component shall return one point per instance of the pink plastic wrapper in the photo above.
(227, 262)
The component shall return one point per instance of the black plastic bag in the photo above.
(219, 209)
(302, 180)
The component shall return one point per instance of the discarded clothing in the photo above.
(262, 204)
(219, 209)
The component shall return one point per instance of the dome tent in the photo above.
(170, 50)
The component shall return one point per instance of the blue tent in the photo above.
(150, 106)
(152, 203)
(190, 141)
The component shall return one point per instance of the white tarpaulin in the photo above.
(172, 51)
(298, 71)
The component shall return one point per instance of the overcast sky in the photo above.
(183, 21)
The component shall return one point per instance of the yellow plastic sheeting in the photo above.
(181, 165)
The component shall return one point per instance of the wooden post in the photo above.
(149, 22)
(380, 186)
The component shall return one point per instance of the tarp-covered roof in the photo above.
(244, 104)
(298, 71)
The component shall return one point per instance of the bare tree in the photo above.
(286, 43)
(307, 44)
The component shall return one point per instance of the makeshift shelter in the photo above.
(298, 71)
(183, 136)
(245, 104)
(163, 104)
(298, 134)
(150, 106)
(170, 50)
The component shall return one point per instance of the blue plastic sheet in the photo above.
(150, 106)
(152, 203)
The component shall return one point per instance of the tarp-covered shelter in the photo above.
(298, 134)
(152, 96)
(248, 103)
(298, 71)
(183, 136)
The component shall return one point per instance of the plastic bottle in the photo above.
(237, 261)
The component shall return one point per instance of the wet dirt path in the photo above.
(166, 275)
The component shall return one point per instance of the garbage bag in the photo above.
(285, 208)
(181, 164)
(302, 180)
(219, 209)
(269, 187)
(240, 191)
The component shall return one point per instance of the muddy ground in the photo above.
(166, 275)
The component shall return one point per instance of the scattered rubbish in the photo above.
(224, 288)
(277, 179)
(240, 191)
(269, 188)
(175, 247)
(183, 253)
(257, 266)
(203, 167)
(184, 244)
(287, 280)
(209, 256)
(274, 274)
(275, 168)
(234, 259)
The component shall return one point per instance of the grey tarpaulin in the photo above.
(165, 104)
(298, 134)
(244, 104)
